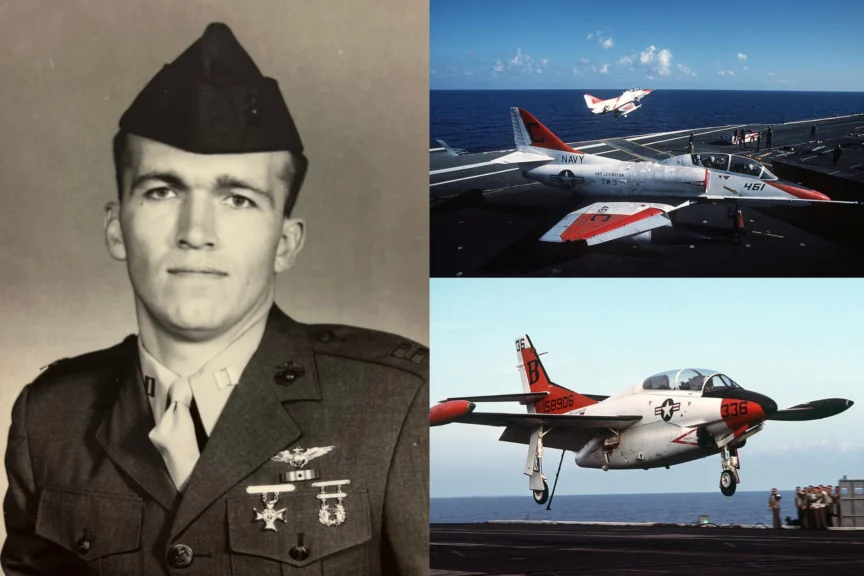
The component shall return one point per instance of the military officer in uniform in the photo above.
(225, 438)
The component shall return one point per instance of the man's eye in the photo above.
(161, 193)
(236, 201)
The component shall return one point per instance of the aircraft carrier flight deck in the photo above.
(571, 549)
(486, 218)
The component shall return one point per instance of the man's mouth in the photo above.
(196, 271)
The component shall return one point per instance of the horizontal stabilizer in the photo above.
(815, 410)
(522, 158)
(604, 221)
(528, 398)
(548, 420)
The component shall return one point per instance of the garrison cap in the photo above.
(213, 100)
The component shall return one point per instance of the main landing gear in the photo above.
(537, 482)
(729, 478)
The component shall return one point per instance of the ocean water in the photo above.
(479, 120)
(741, 508)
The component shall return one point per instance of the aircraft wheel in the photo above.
(727, 483)
(540, 496)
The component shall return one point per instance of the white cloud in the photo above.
(604, 69)
(770, 73)
(576, 72)
(591, 35)
(664, 57)
(625, 61)
(544, 62)
(647, 57)
(608, 43)
(517, 60)
(746, 69)
(716, 62)
(498, 67)
(730, 72)
(584, 60)
(741, 56)
(659, 62)
(692, 74)
(684, 70)
(721, 72)
(649, 76)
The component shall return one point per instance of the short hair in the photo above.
(292, 177)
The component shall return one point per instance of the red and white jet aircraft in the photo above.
(627, 102)
(669, 418)
(687, 179)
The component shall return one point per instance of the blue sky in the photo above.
(794, 340)
(735, 45)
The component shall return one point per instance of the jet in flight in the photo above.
(667, 419)
(627, 102)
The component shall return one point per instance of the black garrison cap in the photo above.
(213, 100)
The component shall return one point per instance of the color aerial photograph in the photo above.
(687, 139)
(646, 426)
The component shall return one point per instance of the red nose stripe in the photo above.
(739, 414)
(803, 193)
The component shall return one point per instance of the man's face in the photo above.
(202, 235)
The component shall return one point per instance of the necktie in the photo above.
(174, 437)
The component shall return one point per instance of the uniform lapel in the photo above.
(124, 432)
(253, 426)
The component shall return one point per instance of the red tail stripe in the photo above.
(542, 137)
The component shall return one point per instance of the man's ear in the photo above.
(113, 231)
(290, 243)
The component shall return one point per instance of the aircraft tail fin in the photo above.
(591, 100)
(535, 379)
(529, 133)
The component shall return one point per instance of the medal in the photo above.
(331, 514)
(269, 515)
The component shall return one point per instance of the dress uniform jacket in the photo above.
(90, 494)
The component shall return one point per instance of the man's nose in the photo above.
(196, 226)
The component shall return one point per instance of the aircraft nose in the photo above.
(768, 405)
(799, 192)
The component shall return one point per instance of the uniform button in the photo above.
(83, 545)
(299, 553)
(180, 556)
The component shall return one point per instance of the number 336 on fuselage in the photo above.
(669, 418)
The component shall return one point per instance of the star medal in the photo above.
(269, 515)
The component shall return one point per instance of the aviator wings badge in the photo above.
(299, 457)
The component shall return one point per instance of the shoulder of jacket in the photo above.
(373, 346)
(85, 368)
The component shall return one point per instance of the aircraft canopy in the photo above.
(689, 379)
(733, 163)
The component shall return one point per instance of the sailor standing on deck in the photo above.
(774, 506)
(770, 136)
(813, 132)
(800, 505)
(838, 152)
(829, 505)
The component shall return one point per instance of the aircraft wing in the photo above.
(525, 398)
(773, 200)
(547, 420)
(522, 158)
(627, 107)
(814, 410)
(604, 221)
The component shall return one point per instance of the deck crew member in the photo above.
(226, 437)
(774, 506)
(838, 152)
(813, 132)
(800, 505)
(770, 136)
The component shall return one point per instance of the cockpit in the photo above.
(733, 163)
(689, 380)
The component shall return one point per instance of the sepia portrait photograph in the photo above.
(215, 311)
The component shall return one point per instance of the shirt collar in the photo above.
(212, 383)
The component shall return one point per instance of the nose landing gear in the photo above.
(729, 478)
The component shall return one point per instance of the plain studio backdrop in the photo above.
(355, 78)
